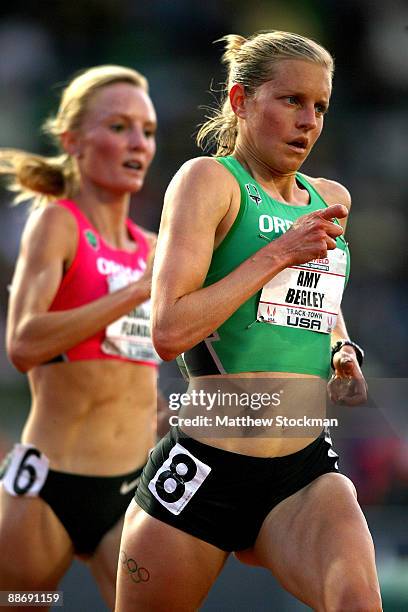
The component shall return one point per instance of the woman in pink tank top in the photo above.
(78, 324)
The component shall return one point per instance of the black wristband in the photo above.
(340, 343)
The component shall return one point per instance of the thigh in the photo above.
(35, 549)
(318, 545)
(104, 563)
(163, 568)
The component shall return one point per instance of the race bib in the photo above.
(307, 296)
(129, 336)
(26, 471)
(178, 479)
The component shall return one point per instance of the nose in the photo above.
(306, 118)
(137, 139)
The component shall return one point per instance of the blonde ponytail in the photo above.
(221, 126)
(36, 177)
(233, 43)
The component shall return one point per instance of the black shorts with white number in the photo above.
(87, 506)
(223, 497)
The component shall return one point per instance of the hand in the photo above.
(311, 236)
(347, 386)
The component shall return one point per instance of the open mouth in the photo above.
(133, 165)
(299, 143)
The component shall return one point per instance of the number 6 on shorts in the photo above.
(26, 472)
(178, 479)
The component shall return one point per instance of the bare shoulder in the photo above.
(204, 174)
(202, 169)
(50, 216)
(202, 190)
(50, 227)
(331, 191)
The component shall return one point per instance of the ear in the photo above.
(238, 100)
(71, 143)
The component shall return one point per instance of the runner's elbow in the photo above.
(167, 343)
(19, 355)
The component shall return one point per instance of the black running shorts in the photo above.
(223, 497)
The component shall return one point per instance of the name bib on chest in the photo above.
(307, 296)
(129, 336)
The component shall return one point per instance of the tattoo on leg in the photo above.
(135, 571)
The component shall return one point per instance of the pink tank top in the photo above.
(87, 280)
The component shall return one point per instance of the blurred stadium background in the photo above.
(364, 145)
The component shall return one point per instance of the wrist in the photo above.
(144, 288)
(340, 344)
(137, 292)
(278, 258)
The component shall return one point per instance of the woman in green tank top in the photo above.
(249, 274)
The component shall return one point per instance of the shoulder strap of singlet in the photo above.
(139, 237)
(303, 181)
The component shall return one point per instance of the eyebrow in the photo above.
(111, 115)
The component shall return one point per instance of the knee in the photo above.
(355, 599)
(334, 484)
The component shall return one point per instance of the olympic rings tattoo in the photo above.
(137, 573)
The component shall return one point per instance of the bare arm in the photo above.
(198, 199)
(347, 385)
(35, 335)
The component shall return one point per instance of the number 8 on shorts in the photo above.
(176, 481)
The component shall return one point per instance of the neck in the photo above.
(282, 186)
(108, 214)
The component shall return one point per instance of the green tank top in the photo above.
(244, 343)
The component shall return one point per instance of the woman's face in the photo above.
(284, 118)
(115, 143)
